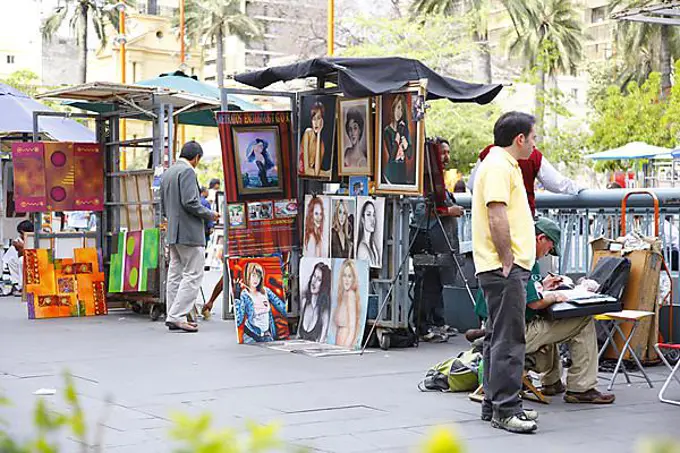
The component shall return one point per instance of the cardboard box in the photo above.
(640, 294)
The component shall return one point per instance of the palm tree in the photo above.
(477, 12)
(210, 21)
(548, 36)
(81, 15)
(645, 47)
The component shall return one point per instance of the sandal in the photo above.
(206, 313)
(183, 326)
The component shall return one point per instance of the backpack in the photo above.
(457, 374)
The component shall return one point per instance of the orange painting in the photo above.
(64, 287)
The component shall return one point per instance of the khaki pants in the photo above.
(542, 338)
(185, 275)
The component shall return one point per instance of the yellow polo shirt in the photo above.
(499, 179)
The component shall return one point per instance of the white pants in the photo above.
(15, 264)
(185, 276)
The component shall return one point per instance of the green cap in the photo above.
(552, 230)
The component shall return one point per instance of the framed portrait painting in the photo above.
(317, 142)
(400, 142)
(355, 140)
(257, 152)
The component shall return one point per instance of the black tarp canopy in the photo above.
(359, 77)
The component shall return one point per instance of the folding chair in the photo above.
(618, 318)
(673, 370)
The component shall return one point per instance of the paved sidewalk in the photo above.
(333, 404)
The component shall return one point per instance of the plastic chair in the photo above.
(673, 370)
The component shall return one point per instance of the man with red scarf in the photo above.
(533, 168)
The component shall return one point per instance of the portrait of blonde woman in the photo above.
(347, 314)
(342, 229)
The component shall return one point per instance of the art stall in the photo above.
(129, 236)
(323, 192)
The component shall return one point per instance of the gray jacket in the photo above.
(181, 204)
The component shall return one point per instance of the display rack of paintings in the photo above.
(355, 138)
(134, 262)
(259, 300)
(400, 141)
(64, 287)
(256, 150)
(317, 139)
(58, 176)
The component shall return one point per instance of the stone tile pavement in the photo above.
(333, 404)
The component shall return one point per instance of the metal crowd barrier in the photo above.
(597, 213)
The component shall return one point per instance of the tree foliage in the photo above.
(636, 115)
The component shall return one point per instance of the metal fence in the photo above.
(597, 213)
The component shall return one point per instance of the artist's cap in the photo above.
(552, 230)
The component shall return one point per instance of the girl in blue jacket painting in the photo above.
(254, 312)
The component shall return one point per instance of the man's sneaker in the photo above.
(530, 414)
(434, 336)
(518, 423)
(447, 330)
(553, 389)
(592, 396)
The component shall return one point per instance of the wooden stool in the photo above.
(618, 318)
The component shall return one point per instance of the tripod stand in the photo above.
(431, 212)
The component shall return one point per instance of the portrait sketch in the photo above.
(258, 159)
(315, 299)
(343, 212)
(259, 211)
(400, 138)
(259, 300)
(317, 120)
(316, 232)
(349, 296)
(355, 141)
(368, 230)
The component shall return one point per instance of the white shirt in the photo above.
(548, 175)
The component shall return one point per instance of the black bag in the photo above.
(612, 275)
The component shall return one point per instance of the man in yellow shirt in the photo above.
(504, 252)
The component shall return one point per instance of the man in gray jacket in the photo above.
(181, 204)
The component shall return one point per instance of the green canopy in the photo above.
(178, 81)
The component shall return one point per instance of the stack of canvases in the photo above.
(64, 287)
(134, 262)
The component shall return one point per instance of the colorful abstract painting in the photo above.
(259, 299)
(58, 176)
(66, 287)
(29, 177)
(134, 261)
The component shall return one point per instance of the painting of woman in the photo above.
(315, 303)
(342, 230)
(312, 148)
(356, 155)
(347, 314)
(255, 303)
(315, 242)
(257, 153)
(367, 248)
(354, 137)
(397, 144)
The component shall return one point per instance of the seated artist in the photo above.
(427, 237)
(543, 336)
